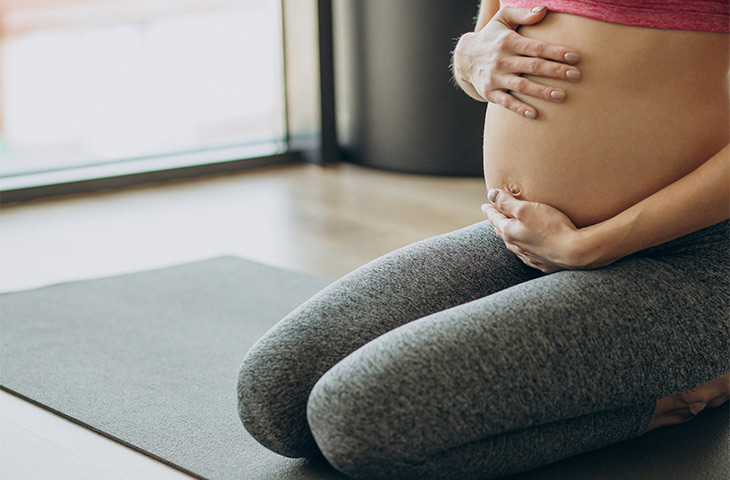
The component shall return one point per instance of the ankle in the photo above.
(684, 406)
(676, 409)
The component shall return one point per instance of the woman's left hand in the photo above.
(542, 236)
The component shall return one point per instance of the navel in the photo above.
(514, 189)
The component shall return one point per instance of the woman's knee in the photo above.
(340, 429)
(272, 398)
(353, 414)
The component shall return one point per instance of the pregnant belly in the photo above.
(651, 106)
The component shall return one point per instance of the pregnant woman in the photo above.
(593, 304)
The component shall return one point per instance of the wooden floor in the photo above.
(323, 221)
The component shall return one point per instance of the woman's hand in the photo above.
(542, 237)
(489, 64)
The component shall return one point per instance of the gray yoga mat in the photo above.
(151, 360)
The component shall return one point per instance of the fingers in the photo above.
(521, 56)
(501, 224)
(498, 73)
(506, 203)
(531, 47)
(525, 86)
(514, 17)
(511, 103)
(507, 227)
(533, 65)
(516, 83)
(498, 220)
(534, 89)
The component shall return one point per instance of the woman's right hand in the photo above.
(489, 64)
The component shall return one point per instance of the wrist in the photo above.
(598, 245)
(587, 251)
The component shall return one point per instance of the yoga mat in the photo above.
(151, 360)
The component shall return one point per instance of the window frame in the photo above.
(317, 145)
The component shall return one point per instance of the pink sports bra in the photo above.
(701, 15)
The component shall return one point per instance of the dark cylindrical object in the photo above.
(406, 112)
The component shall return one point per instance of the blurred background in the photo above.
(112, 88)
(86, 82)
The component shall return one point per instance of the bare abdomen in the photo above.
(651, 106)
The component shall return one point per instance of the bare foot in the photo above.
(684, 406)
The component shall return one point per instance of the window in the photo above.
(135, 85)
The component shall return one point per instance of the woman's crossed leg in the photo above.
(449, 358)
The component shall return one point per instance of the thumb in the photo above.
(504, 202)
(514, 17)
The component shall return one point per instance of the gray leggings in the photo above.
(449, 358)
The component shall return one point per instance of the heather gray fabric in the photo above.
(451, 359)
(151, 359)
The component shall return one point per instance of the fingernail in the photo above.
(571, 57)
(484, 208)
(530, 114)
(537, 9)
(573, 74)
(557, 95)
(492, 194)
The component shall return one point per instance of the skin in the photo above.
(554, 216)
(490, 74)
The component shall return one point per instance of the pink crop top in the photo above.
(701, 15)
